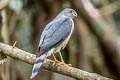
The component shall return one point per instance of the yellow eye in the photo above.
(70, 11)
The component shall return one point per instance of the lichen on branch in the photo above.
(47, 64)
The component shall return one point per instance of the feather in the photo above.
(52, 36)
(56, 33)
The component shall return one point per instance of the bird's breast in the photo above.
(63, 45)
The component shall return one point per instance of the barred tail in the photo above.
(37, 65)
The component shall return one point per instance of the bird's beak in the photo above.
(75, 16)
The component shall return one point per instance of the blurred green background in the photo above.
(24, 20)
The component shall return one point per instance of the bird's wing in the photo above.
(55, 33)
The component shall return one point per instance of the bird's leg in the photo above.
(55, 59)
(62, 61)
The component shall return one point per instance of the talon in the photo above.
(62, 63)
(55, 62)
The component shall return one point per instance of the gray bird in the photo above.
(55, 37)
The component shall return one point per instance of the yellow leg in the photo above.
(55, 60)
(62, 61)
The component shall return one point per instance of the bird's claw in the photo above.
(62, 63)
(55, 62)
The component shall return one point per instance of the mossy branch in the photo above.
(47, 64)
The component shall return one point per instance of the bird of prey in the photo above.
(55, 37)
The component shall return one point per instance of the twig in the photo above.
(14, 44)
(65, 70)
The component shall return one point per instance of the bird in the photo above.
(55, 37)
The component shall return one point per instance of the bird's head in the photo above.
(69, 13)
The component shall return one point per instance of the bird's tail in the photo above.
(37, 65)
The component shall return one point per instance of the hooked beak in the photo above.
(74, 16)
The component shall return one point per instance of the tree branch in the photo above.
(104, 32)
(110, 8)
(65, 70)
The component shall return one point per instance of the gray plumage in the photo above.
(54, 37)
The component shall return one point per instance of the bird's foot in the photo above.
(55, 62)
(63, 63)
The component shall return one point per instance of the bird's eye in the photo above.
(70, 11)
